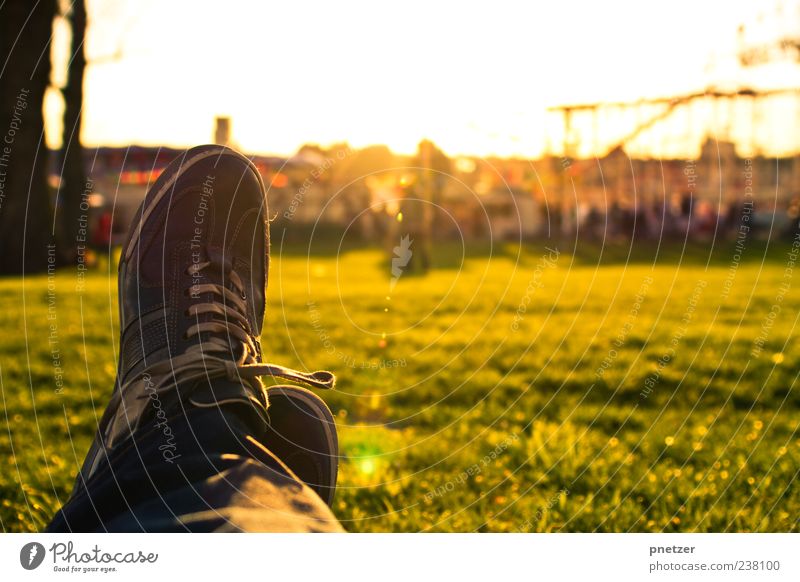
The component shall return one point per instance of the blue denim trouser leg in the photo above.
(213, 474)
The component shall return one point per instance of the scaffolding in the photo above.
(648, 113)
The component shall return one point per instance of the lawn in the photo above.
(517, 389)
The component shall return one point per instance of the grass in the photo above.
(609, 389)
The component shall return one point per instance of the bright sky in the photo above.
(474, 77)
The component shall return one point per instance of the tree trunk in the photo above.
(73, 209)
(25, 204)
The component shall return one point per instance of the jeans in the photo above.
(215, 473)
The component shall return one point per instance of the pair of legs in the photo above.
(192, 440)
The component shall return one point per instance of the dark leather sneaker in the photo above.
(192, 283)
(302, 434)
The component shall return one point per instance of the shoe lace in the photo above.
(212, 357)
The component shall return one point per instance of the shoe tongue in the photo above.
(219, 272)
(219, 258)
(219, 268)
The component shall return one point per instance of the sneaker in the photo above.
(192, 284)
(302, 434)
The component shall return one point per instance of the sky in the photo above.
(476, 78)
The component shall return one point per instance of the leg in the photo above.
(185, 442)
(220, 478)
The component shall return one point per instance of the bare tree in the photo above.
(25, 207)
(71, 219)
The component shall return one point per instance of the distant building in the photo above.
(615, 197)
(510, 214)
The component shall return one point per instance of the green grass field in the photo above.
(513, 391)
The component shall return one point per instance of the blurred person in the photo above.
(793, 216)
(705, 220)
(733, 217)
(101, 234)
(192, 439)
(592, 223)
(100, 237)
(381, 221)
(412, 229)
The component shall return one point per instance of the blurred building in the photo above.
(614, 197)
(222, 131)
